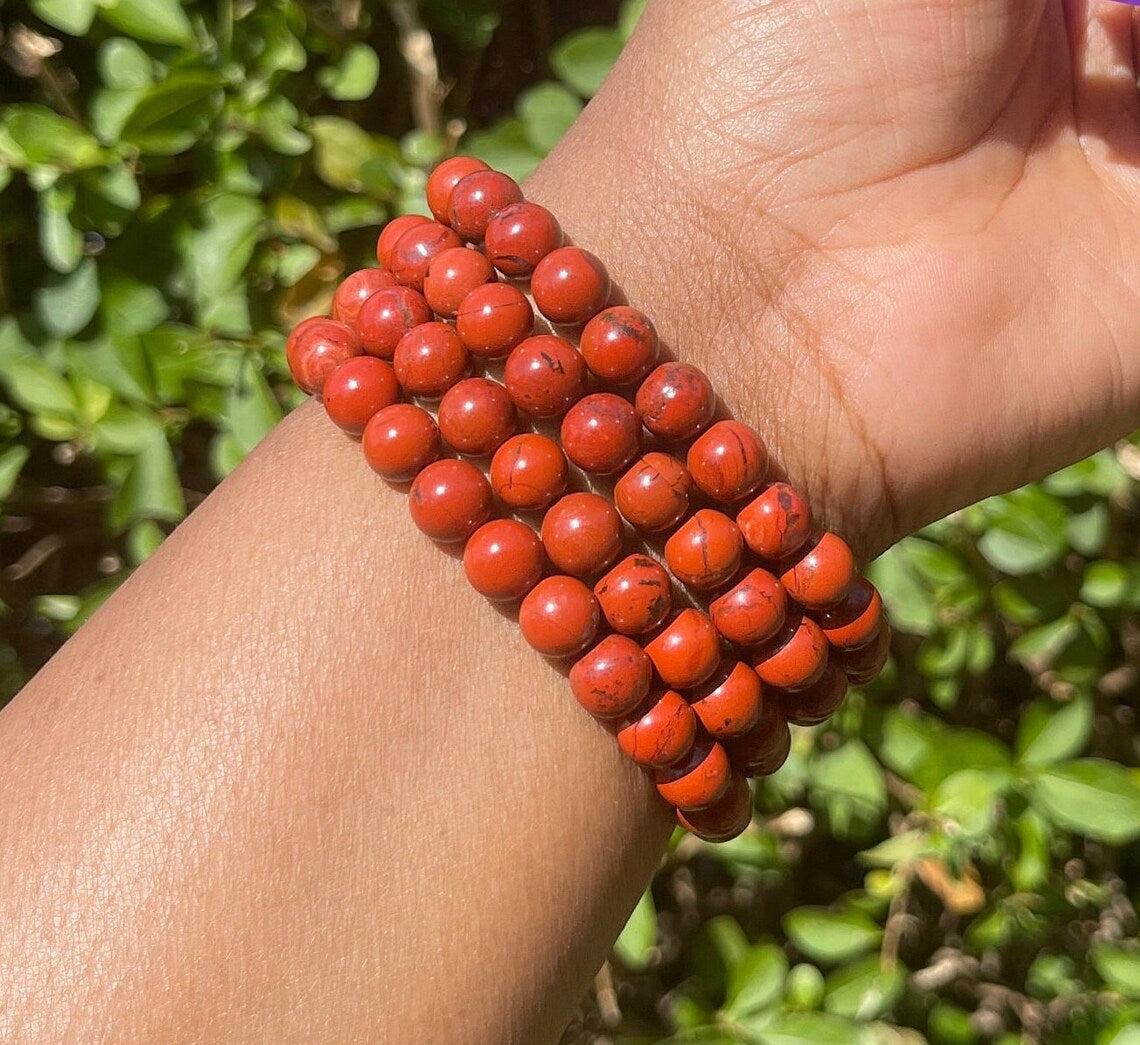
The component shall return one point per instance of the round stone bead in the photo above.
(728, 704)
(429, 359)
(545, 375)
(676, 401)
(316, 347)
(636, 595)
(705, 551)
(776, 523)
(855, 619)
(559, 617)
(699, 779)
(727, 817)
(391, 232)
(520, 236)
(357, 389)
(795, 657)
(503, 559)
(613, 678)
(570, 285)
(764, 748)
(581, 533)
(728, 461)
(687, 651)
(752, 611)
(528, 472)
(601, 433)
(476, 416)
(387, 316)
(355, 289)
(449, 500)
(417, 248)
(821, 573)
(810, 706)
(661, 731)
(619, 344)
(443, 179)
(863, 664)
(654, 494)
(400, 441)
(493, 318)
(477, 198)
(452, 276)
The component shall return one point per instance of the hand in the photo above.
(900, 237)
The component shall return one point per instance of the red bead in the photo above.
(387, 316)
(619, 344)
(358, 389)
(476, 416)
(635, 595)
(449, 500)
(400, 440)
(570, 285)
(559, 617)
(728, 461)
(430, 359)
(855, 619)
(726, 818)
(705, 551)
(477, 198)
(452, 276)
(687, 651)
(601, 433)
(613, 678)
(864, 663)
(752, 611)
(417, 248)
(581, 533)
(654, 494)
(443, 180)
(699, 779)
(821, 573)
(545, 375)
(676, 401)
(528, 472)
(503, 559)
(355, 289)
(520, 236)
(810, 706)
(392, 232)
(776, 523)
(316, 347)
(659, 732)
(493, 319)
(764, 748)
(728, 704)
(795, 657)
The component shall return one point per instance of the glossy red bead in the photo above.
(601, 433)
(449, 500)
(357, 389)
(443, 179)
(728, 704)
(417, 248)
(676, 401)
(619, 344)
(387, 316)
(476, 416)
(503, 559)
(728, 461)
(452, 276)
(819, 701)
(477, 198)
(705, 550)
(699, 779)
(613, 678)
(581, 533)
(355, 289)
(795, 657)
(776, 523)
(752, 611)
(764, 748)
(855, 619)
(654, 494)
(520, 236)
(687, 651)
(659, 732)
(636, 595)
(545, 375)
(493, 319)
(559, 617)
(863, 664)
(529, 472)
(400, 440)
(316, 347)
(429, 359)
(820, 573)
(570, 285)
(727, 817)
(391, 232)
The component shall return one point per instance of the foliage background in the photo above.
(952, 859)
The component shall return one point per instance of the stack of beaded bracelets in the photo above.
(700, 693)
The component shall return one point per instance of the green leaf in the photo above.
(36, 387)
(1100, 475)
(1049, 733)
(251, 409)
(850, 783)
(629, 15)
(1027, 534)
(143, 541)
(116, 360)
(64, 305)
(1106, 585)
(11, 461)
(1119, 967)
(1033, 865)
(756, 982)
(276, 121)
(156, 21)
(354, 78)
(1088, 530)
(216, 250)
(968, 798)
(173, 115)
(830, 936)
(583, 59)
(809, 1028)
(505, 147)
(1038, 648)
(152, 489)
(349, 158)
(123, 65)
(33, 135)
(1091, 797)
(907, 598)
(295, 261)
(60, 242)
(547, 110)
(70, 16)
(638, 939)
(864, 990)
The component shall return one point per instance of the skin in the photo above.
(296, 782)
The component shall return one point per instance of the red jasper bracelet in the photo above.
(728, 617)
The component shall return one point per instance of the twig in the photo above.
(34, 557)
(606, 995)
(418, 52)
